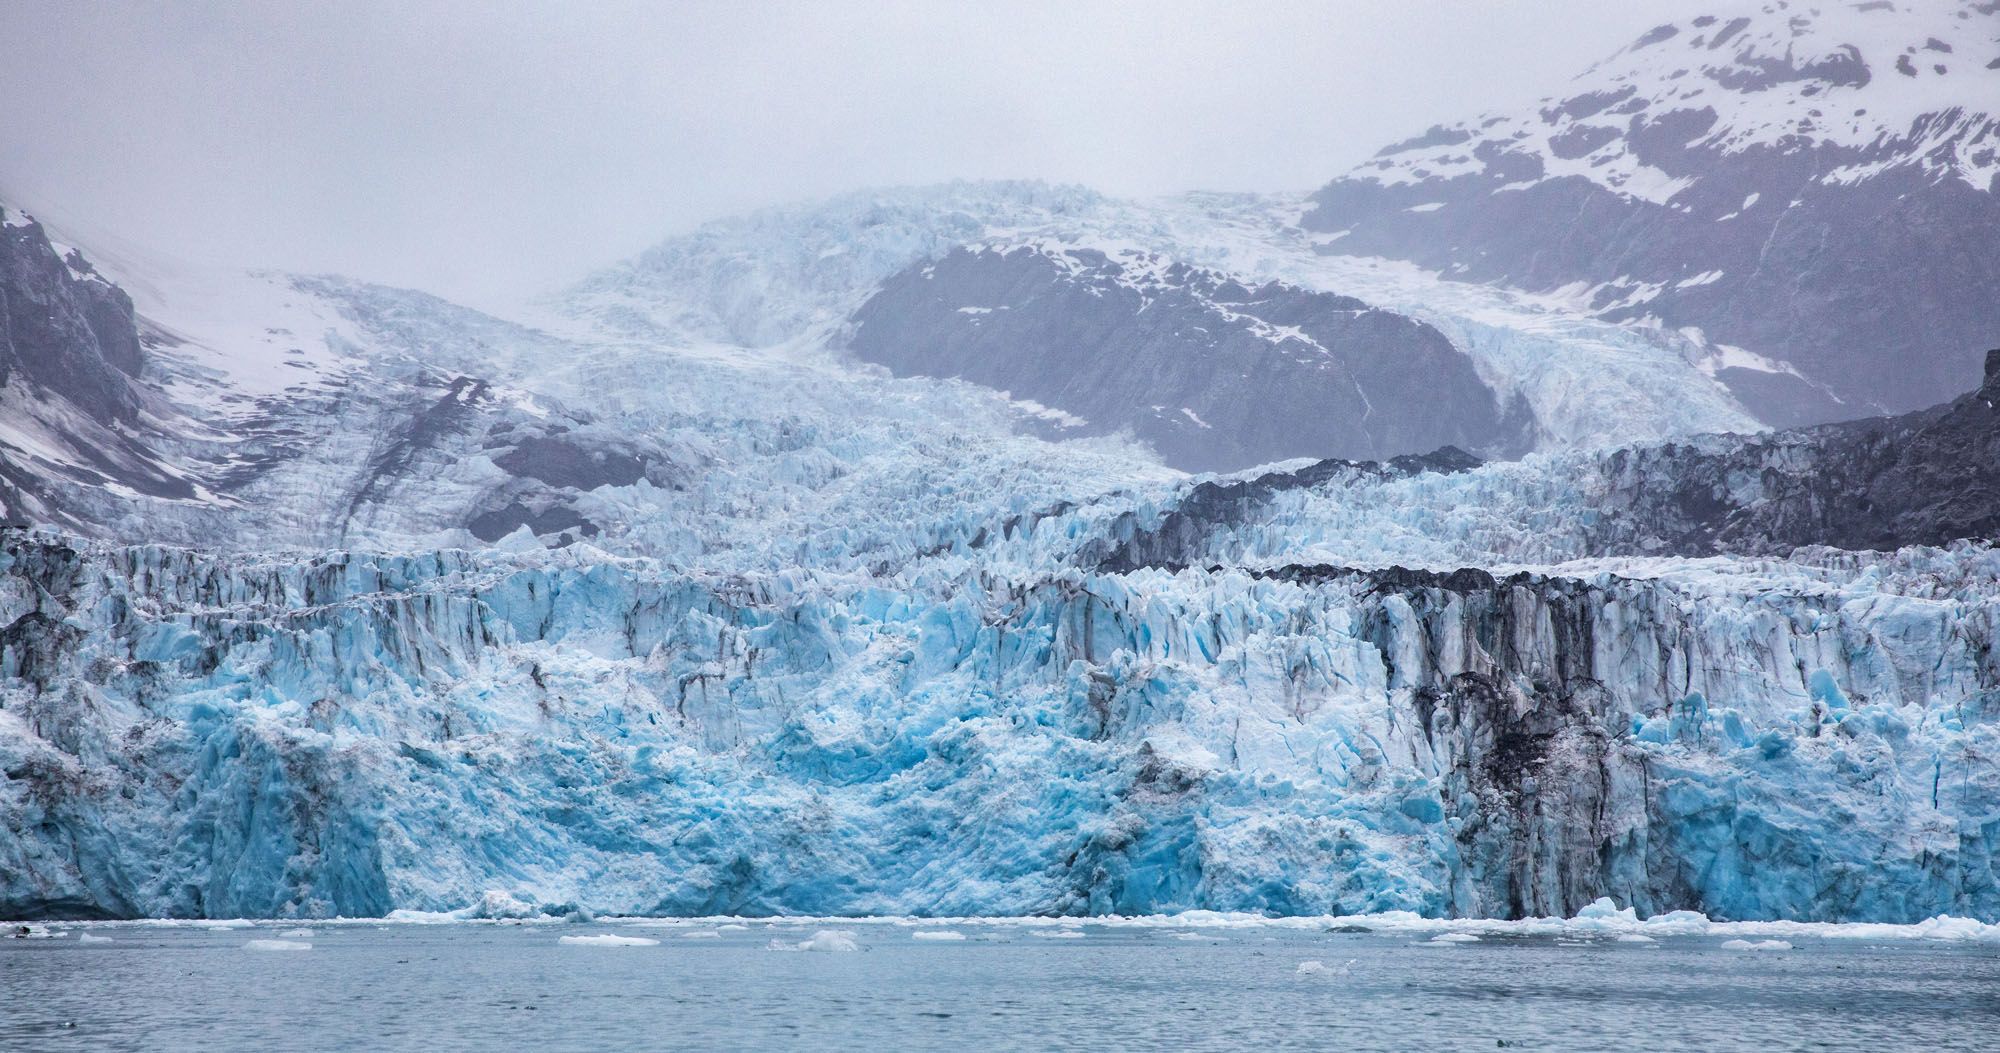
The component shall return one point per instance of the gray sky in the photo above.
(485, 150)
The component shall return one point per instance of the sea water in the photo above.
(880, 986)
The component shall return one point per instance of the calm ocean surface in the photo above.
(483, 986)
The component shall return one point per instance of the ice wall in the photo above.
(350, 734)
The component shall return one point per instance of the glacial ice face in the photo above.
(350, 734)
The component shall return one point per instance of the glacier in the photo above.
(350, 734)
(850, 644)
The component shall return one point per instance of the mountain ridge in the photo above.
(1790, 181)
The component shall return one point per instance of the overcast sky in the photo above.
(486, 150)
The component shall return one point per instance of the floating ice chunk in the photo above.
(85, 937)
(1602, 914)
(277, 945)
(225, 923)
(607, 940)
(1060, 934)
(1756, 945)
(826, 940)
(1633, 937)
(1454, 937)
(702, 934)
(1946, 927)
(937, 934)
(498, 904)
(1314, 966)
(31, 932)
(1679, 923)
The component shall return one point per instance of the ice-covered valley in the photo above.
(654, 600)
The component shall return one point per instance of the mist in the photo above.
(487, 152)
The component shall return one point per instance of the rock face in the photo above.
(1818, 188)
(1924, 478)
(64, 331)
(1215, 374)
(70, 406)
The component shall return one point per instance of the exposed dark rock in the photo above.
(1215, 374)
(559, 461)
(64, 330)
(1181, 534)
(1923, 478)
(494, 525)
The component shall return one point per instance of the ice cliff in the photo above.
(183, 734)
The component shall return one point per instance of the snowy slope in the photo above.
(1810, 184)
(804, 271)
(304, 412)
(1907, 84)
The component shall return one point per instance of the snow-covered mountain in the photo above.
(301, 412)
(1813, 184)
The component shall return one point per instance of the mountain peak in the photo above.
(1877, 84)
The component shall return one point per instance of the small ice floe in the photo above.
(1756, 945)
(85, 937)
(1058, 934)
(936, 934)
(702, 934)
(1633, 937)
(732, 927)
(1314, 966)
(31, 932)
(607, 940)
(225, 923)
(277, 945)
(1454, 937)
(830, 940)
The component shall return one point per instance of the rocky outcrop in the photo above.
(1215, 374)
(73, 414)
(65, 331)
(1924, 478)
